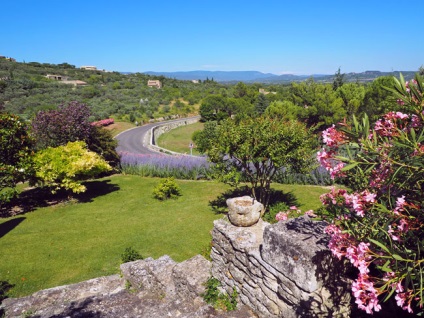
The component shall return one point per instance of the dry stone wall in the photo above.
(155, 132)
(280, 270)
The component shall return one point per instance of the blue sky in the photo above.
(299, 37)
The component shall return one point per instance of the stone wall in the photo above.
(155, 132)
(280, 270)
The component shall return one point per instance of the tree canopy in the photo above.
(255, 149)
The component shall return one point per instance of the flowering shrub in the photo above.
(379, 227)
(65, 167)
(103, 122)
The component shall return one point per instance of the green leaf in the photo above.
(397, 257)
(389, 295)
(380, 245)
(350, 166)
(385, 267)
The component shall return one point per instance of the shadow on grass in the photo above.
(95, 189)
(33, 198)
(8, 226)
(219, 205)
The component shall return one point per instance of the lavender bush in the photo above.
(318, 176)
(164, 166)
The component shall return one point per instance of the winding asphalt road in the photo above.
(132, 140)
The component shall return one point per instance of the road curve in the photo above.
(132, 140)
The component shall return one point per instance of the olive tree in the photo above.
(253, 150)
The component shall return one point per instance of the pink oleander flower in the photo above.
(339, 242)
(332, 137)
(359, 256)
(392, 234)
(281, 216)
(385, 128)
(415, 121)
(403, 297)
(403, 225)
(310, 213)
(360, 202)
(400, 102)
(396, 115)
(400, 204)
(335, 196)
(365, 294)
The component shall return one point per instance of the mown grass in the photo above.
(119, 126)
(79, 240)
(179, 139)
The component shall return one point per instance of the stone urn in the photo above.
(244, 211)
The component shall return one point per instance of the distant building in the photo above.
(263, 91)
(7, 58)
(57, 77)
(65, 80)
(89, 68)
(75, 82)
(154, 83)
(195, 81)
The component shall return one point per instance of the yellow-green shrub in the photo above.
(65, 167)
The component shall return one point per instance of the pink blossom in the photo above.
(332, 137)
(396, 115)
(400, 102)
(400, 203)
(392, 234)
(415, 121)
(310, 213)
(403, 297)
(365, 294)
(403, 226)
(281, 216)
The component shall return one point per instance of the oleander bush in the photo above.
(379, 225)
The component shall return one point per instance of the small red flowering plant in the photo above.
(379, 225)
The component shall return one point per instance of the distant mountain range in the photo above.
(255, 76)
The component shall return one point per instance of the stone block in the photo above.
(190, 276)
(295, 248)
(153, 276)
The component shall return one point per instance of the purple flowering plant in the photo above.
(379, 226)
(162, 165)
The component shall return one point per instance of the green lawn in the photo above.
(119, 126)
(179, 139)
(75, 241)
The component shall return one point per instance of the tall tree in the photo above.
(256, 149)
(352, 95)
(338, 80)
(261, 104)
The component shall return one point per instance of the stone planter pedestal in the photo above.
(244, 211)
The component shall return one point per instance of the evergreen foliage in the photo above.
(15, 156)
